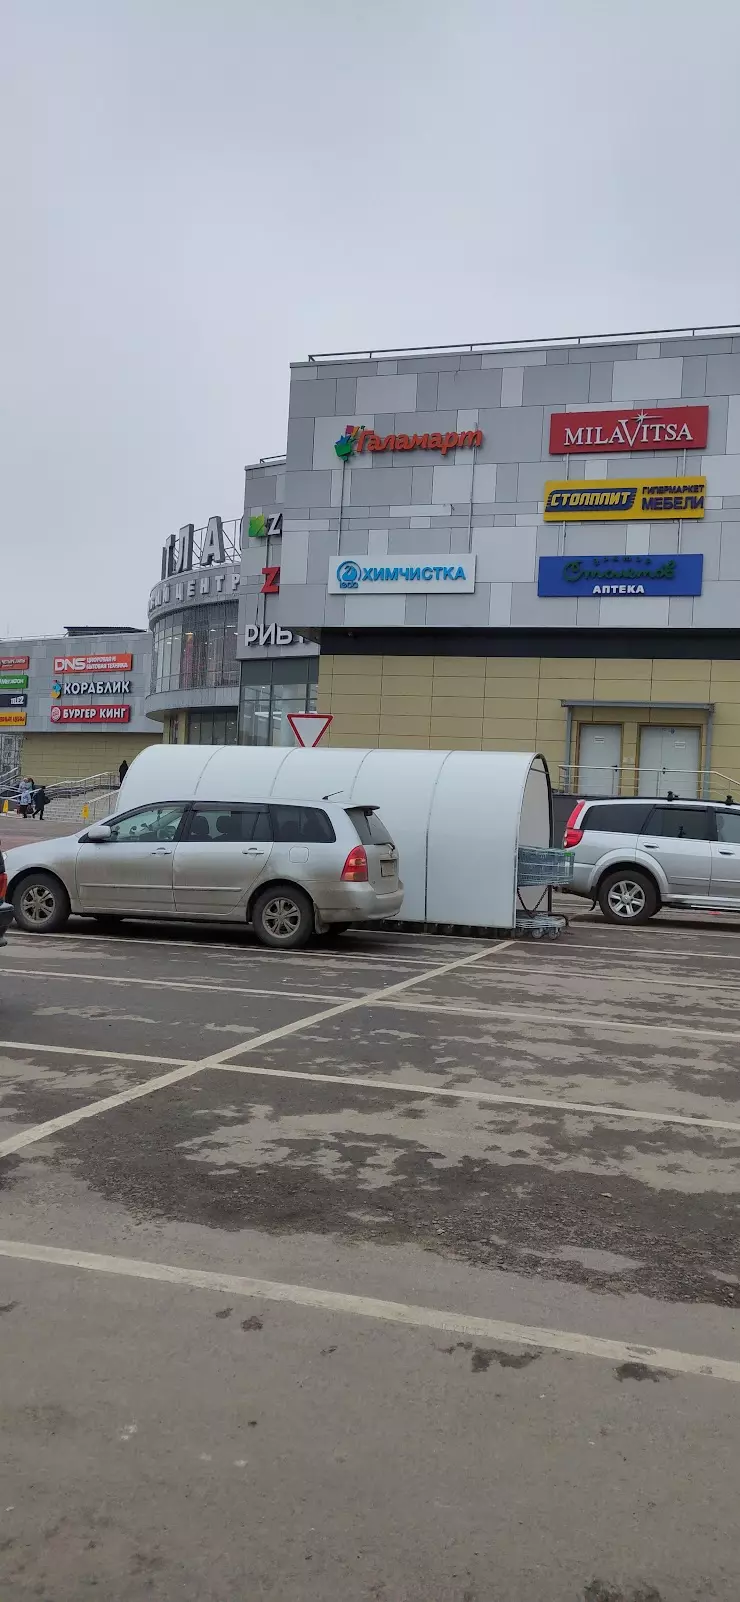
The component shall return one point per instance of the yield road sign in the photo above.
(309, 727)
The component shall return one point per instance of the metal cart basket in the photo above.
(546, 866)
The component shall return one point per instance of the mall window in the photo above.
(213, 726)
(270, 689)
(195, 649)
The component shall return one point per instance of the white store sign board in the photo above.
(403, 575)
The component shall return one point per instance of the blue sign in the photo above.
(620, 575)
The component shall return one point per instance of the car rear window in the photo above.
(301, 826)
(624, 817)
(370, 828)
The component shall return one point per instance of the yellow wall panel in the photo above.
(512, 667)
(450, 726)
(404, 725)
(471, 667)
(400, 665)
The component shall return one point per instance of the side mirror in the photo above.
(99, 833)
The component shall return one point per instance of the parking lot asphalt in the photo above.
(400, 1268)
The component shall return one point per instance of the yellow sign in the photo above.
(85, 813)
(12, 720)
(625, 500)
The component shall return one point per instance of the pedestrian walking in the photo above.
(40, 800)
(25, 797)
(122, 771)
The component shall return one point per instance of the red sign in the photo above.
(10, 664)
(309, 727)
(90, 714)
(271, 585)
(92, 664)
(661, 428)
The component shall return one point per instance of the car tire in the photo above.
(283, 917)
(628, 896)
(40, 903)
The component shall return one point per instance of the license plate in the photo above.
(387, 869)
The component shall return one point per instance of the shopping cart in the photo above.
(548, 867)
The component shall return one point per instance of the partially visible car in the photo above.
(6, 910)
(290, 868)
(633, 856)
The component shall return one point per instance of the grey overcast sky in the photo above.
(197, 192)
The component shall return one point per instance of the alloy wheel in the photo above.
(281, 917)
(626, 899)
(38, 904)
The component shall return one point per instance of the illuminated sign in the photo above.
(62, 687)
(261, 527)
(12, 720)
(633, 500)
(405, 575)
(92, 664)
(13, 700)
(663, 428)
(13, 681)
(90, 714)
(12, 663)
(357, 439)
(620, 575)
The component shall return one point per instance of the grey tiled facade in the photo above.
(490, 501)
(41, 677)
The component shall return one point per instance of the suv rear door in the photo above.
(725, 880)
(678, 838)
(382, 856)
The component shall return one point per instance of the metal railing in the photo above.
(590, 779)
(472, 347)
(64, 788)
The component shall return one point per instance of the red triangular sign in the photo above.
(309, 727)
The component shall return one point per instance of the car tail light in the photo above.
(573, 835)
(355, 868)
(3, 886)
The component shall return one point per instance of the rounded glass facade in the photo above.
(195, 649)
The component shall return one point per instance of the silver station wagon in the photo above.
(289, 868)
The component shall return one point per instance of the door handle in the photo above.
(161, 851)
(726, 853)
(252, 851)
(651, 847)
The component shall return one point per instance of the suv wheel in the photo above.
(283, 917)
(628, 896)
(40, 904)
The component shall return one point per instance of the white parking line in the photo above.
(322, 955)
(90, 1051)
(568, 1020)
(545, 1104)
(28, 1137)
(698, 1365)
(170, 984)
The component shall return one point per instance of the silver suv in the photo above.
(635, 856)
(287, 867)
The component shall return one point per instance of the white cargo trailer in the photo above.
(459, 818)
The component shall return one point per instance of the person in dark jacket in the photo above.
(40, 799)
(122, 771)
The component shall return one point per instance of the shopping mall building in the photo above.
(534, 545)
(522, 546)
